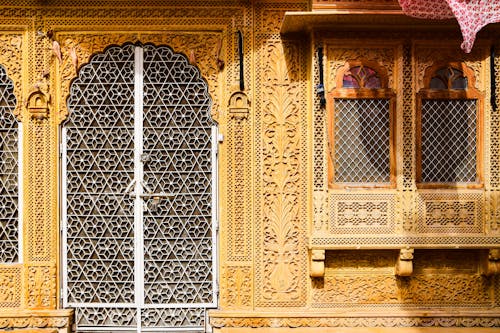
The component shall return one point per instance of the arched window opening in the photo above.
(449, 129)
(361, 128)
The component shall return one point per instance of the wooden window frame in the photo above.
(470, 93)
(362, 93)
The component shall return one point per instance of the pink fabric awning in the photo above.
(472, 15)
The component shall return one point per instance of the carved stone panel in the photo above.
(10, 287)
(450, 213)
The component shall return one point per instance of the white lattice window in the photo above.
(361, 128)
(10, 219)
(140, 209)
(449, 129)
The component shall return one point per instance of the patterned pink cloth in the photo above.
(472, 15)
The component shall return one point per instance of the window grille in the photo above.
(449, 141)
(9, 175)
(140, 209)
(449, 135)
(362, 141)
(361, 131)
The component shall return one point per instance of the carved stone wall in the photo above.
(274, 200)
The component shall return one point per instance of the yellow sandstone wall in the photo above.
(271, 169)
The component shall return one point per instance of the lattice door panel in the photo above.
(139, 165)
(9, 174)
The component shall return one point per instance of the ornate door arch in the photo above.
(139, 213)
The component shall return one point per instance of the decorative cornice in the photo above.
(490, 320)
(37, 319)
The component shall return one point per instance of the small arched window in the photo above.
(361, 128)
(449, 136)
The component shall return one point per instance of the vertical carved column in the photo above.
(40, 182)
(281, 259)
(408, 196)
(237, 291)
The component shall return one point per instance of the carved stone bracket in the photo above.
(317, 263)
(404, 264)
(38, 105)
(491, 263)
(239, 106)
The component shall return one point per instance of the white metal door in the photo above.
(139, 213)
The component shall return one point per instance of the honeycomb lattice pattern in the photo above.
(177, 137)
(106, 317)
(100, 155)
(9, 171)
(176, 158)
(449, 140)
(362, 141)
(173, 318)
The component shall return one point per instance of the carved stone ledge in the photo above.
(491, 263)
(218, 321)
(404, 264)
(317, 263)
(50, 320)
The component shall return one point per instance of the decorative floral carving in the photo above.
(341, 321)
(281, 258)
(493, 206)
(10, 287)
(339, 53)
(87, 44)
(320, 211)
(426, 57)
(41, 286)
(272, 19)
(59, 319)
(238, 291)
(11, 58)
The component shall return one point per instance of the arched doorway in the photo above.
(139, 193)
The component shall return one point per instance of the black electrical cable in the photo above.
(240, 54)
(320, 88)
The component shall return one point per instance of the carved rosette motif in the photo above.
(450, 212)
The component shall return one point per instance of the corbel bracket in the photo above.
(317, 263)
(38, 105)
(404, 264)
(239, 106)
(491, 263)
